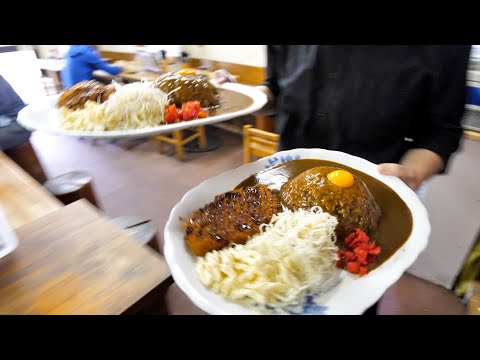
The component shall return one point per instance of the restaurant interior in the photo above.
(91, 215)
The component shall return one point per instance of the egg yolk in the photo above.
(341, 178)
(186, 72)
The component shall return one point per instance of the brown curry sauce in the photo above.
(230, 101)
(395, 223)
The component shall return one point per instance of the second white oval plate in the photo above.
(43, 116)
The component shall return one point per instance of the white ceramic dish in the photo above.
(352, 295)
(8, 238)
(43, 116)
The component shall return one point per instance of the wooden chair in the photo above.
(258, 143)
(473, 306)
(265, 123)
(140, 229)
(68, 187)
(179, 141)
(71, 187)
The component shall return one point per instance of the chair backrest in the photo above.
(258, 143)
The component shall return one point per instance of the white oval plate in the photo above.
(44, 116)
(352, 295)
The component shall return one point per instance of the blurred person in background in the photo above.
(81, 62)
(11, 134)
(396, 106)
(14, 139)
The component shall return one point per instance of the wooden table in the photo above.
(135, 73)
(139, 76)
(103, 76)
(71, 259)
(75, 261)
(21, 197)
(132, 72)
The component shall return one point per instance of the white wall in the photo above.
(21, 70)
(49, 51)
(254, 55)
(118, 48)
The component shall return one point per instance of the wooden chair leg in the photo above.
(127, 143)
(86, 192)
(25, 156)
(71, 187)
(159, 144)
(177, 135)
(202, 139)
(247, 153)
(264, 123)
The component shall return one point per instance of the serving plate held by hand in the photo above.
(352, 295)
(44, 116)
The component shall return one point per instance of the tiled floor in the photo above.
(142, 182)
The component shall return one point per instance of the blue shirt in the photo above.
(82, 60)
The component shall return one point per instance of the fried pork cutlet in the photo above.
(232, 218)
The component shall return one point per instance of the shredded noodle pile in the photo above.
(293, 254)
(132, 106)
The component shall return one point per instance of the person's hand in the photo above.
(222, 76)
(416, 166)
(406, 173)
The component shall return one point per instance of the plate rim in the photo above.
(406, 194)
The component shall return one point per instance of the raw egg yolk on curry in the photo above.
(341, 178)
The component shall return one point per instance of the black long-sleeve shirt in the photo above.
(375, 102)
